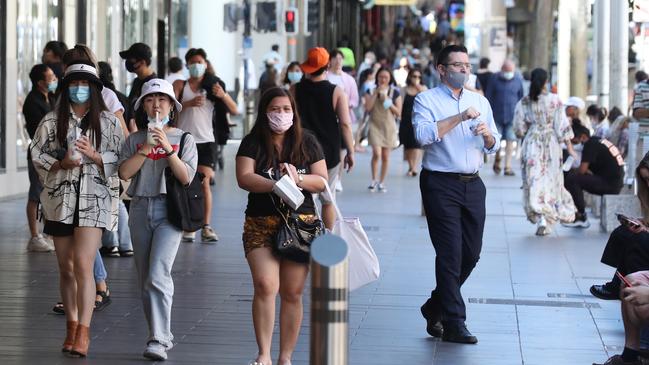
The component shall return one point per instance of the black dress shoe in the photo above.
(433, 324)
(458, 334)
(605, 292)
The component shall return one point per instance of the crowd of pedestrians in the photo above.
(100, 163)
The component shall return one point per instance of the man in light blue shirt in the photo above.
(455, 127)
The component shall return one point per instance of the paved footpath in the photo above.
(528, 299)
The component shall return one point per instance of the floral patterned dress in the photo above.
(544, 126)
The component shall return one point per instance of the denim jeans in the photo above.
(156, 243)
(99, 270)
(121, 238)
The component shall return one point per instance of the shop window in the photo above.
(37, 23)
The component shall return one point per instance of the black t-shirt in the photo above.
(260, 204)
(34, 109)
(136, 91)
(604, 159)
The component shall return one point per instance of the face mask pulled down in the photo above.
(280, 122)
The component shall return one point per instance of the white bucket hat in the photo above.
(155, 86)
(576, 102)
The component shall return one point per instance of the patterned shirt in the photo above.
(89, 190)
(641, 99)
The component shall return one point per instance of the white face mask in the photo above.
(508, 75)
(578, 147)
(280, 122)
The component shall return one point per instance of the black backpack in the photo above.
(185, 204)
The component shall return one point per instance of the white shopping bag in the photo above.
(363, 263)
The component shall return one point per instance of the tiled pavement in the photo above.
(528, 297)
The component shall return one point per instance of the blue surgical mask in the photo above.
(51, 87)
(164, 120)
(79, 94)
(294, 77)
(508, 75)
(197, 69)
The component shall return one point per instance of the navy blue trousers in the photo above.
(455, 211)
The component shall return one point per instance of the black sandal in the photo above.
(104, 302)
(58, 308)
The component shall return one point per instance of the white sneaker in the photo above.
(372, 187)
(382, 188)
(189, 236)
(155, 351)
(39, 244)
(208, 235)
(339, 186)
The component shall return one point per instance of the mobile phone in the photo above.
(629, 222)
(621, 277)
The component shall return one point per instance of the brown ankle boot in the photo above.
(69, 336)
(81, 342)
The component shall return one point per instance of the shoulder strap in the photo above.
(182, 144)
(182, 90)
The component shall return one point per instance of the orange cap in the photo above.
(317, 58)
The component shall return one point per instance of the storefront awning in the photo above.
(395, 2)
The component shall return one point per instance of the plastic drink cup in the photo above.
(150, 137)
(75, 154)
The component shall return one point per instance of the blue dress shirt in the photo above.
(458, 151)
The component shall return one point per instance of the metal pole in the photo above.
(620, 48)
(603, 50)
(594, 81)
(329, 301)
(248, 97)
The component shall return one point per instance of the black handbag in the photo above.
(294, 237)
(185, 204)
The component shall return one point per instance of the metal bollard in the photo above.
(329, 301)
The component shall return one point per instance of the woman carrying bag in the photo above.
(156, 147)
(277, 139)
(384, 107)
(75, 152)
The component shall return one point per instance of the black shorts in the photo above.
(206, 154)
(35, 186)
(58, 229)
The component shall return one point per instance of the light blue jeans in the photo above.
(99, 269)
(155, 242)
(121, 238)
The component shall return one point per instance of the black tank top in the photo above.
(315, 107)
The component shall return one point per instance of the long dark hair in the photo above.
(412, 71)
(91, 122)
(142, 118)
(537, 83)
(294, 150)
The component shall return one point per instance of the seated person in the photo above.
(635, 316)
(600, 172)
(627, 249)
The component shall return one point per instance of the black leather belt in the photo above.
(456, 175)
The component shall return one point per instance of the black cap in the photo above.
(139, 51)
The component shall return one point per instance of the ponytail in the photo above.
(538, 79)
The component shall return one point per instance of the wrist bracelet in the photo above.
(169, 154)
